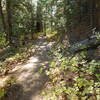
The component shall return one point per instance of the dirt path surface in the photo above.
(30, 80)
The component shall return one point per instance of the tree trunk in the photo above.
(97, 14)
(39, 24)
(9, 22)
(92, 42)
(3, 19)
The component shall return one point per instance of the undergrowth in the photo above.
(10, 56)
(9, 83)
(72, 78)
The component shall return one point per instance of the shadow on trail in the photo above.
(13, 92)
(10, 51)
(7, 52)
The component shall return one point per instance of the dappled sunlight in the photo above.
(30, 64)
(23, 76)
(31, 73)
(3, 81)
(33, 60)
(27, 67)
(45, 43)
(45, 53)
(49, 50)
(51, 44)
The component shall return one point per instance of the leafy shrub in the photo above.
(74, 79)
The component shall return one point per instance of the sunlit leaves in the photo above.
(75, 77)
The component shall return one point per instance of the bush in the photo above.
(74, 79)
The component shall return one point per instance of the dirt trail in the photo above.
(30, 81)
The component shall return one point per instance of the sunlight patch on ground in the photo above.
(3, 81)
(50, 44)
(33, 60)
(23, 76)
(27, 66)
(26, 69)
(30, 64)
(50, 36)
(42, 48)
(28, 74)
(31, 80)
(45, 43)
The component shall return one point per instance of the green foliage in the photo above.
(2, 92)
(12, 56)
(74, 78)
(2, 42)
(9, 83)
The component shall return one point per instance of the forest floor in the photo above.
(30, 76)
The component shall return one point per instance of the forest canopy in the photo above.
(23, 17)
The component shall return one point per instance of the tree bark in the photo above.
(92, 42)
(2, 17)
(9, 22)
(39, 24)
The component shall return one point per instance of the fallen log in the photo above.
(91, 42)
